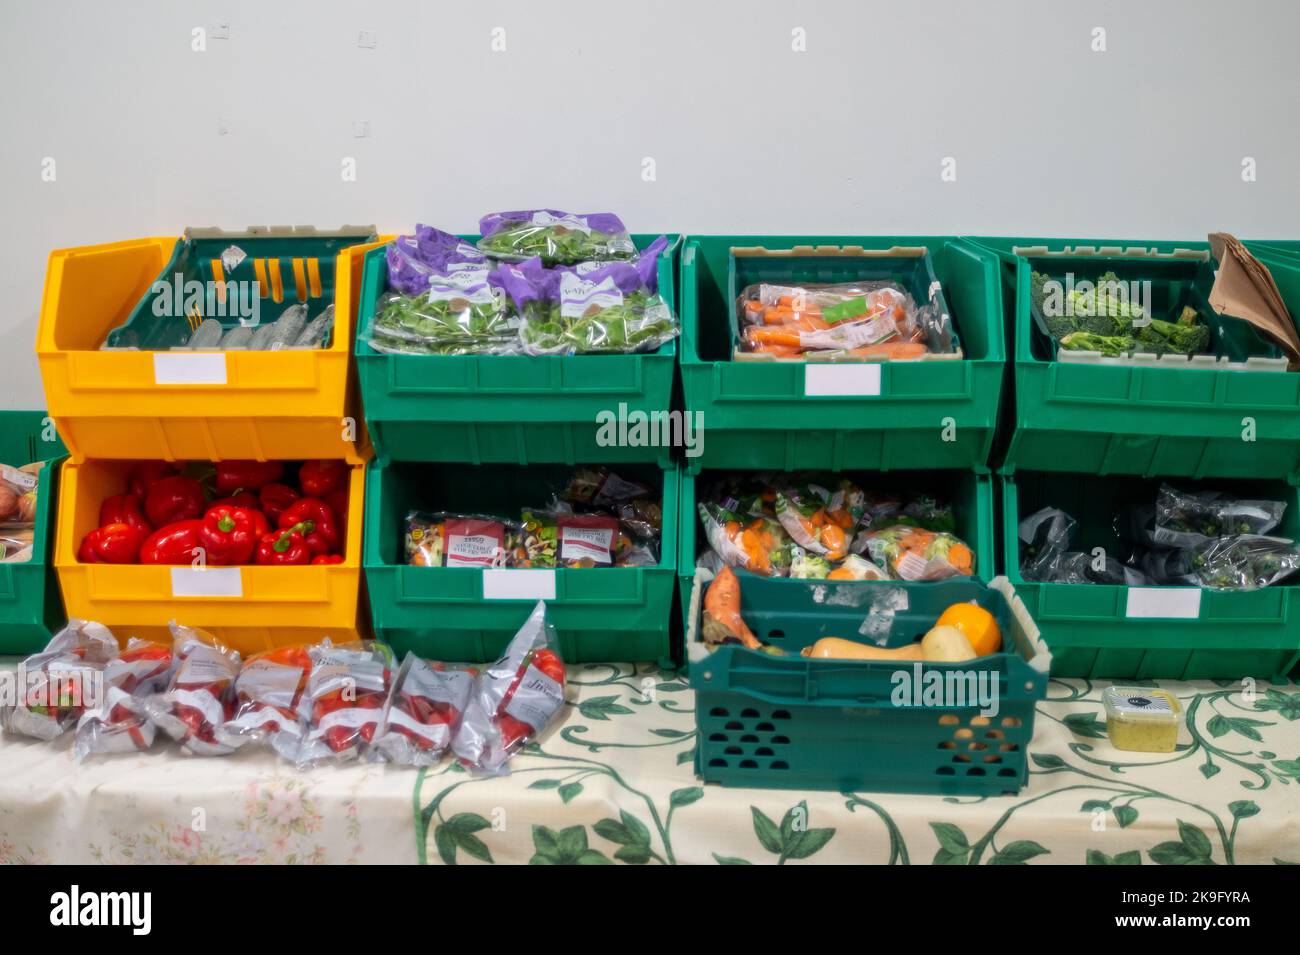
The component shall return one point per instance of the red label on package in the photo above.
(474, 543)
(587, 538)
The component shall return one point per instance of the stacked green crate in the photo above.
(492, 434)
(1090, 437)
(31, 609)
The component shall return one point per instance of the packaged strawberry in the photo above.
(200, 696)
(347, 690)
(514, 700)
(423, 712)
(58, 684)
(120, 723)
(268, 701)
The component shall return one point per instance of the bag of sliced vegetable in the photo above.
(914, 553)
(442, 539)
(556, 237)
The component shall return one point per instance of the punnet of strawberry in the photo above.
(515, 699)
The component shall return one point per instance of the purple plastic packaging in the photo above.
(414, 259)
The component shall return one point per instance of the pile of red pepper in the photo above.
(243, 512)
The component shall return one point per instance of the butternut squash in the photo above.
(940, 645)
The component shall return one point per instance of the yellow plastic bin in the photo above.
(201, 405)
(251, 608)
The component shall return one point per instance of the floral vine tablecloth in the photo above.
(613, 783)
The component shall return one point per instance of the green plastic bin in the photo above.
(922, 414)
(515, 409)
(792, 723)
(970, 493)
(292, 266)
(606, 614)
(31, 608)
(1174, 633)
(1156, 420)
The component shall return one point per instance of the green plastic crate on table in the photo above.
(1175, 633)
(31, 609)
(605, 614)
(786, 722)
(1156, 419)
(918, 414)
(970, 494)
(508, 408)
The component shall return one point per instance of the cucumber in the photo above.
(288, 328)
(207, 335)
(314, 335)
(238, 337)
(261, 336)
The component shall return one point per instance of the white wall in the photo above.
(747, 135)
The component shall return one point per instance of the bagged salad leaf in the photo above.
(514, 700)
(345, 696)
(914, 553)
(200, 696)
(554, 236)
(120, 723)
(459, 312)
(61, 681)
(423, 712)
(413, 260)
(268, 697)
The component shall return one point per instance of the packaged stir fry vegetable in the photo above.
(61, 681)
(914, 553)
(556, 237)
(440, 539)
(120, 723)
(200, 697)
(347, 690)
(514, 700)
(806, 513)
(866, 320)
(423, 712)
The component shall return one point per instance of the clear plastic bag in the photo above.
(414, 259)
(200, 696)
(443, 539)
(458, 312)
(554, 236)
(423, 712)
(1240, 562)
(18, 488)
(120, 723)
(346, 693)
(1044, 536)
(805, 513)
(1185, 519)
(57, 685)
(914, 553)
(514, 700)
(268, 701)
(759, 544)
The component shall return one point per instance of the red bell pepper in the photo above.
(317, 520)
(146, 474)
(246, 475)
(173, 543)
(238, 499)
(230, 534)
(112, 544)
(124, 509)
(175, 498)
(328, 559)
(283, 547)
(275, 499)
(319, 478)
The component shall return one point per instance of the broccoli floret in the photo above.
(1175, 338)
(1106, 344)
(1055, 319)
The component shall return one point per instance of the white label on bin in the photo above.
(207, 582)
(1180, 602)
(192, 368)
(518, 584)
(822, 379)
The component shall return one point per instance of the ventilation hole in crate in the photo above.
(1008, 771)
(779, 764)
(976, 771)
(780, 740)
(977, 747)
(947, 744)
(750, 714)
(780, 714)
(721, 763)
(964, 733)
(765, 751)
(748, 764)
(749, 738)
(992, 758)
(734, 725)
(995, 734)
(1009, 748)
(776, 634)
(765, 728)
(961, 758)
(946, 771)
(979, 721)
(734, 751)
(719, 738)
(718, 711)
(1012, 721)
(948, 720)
